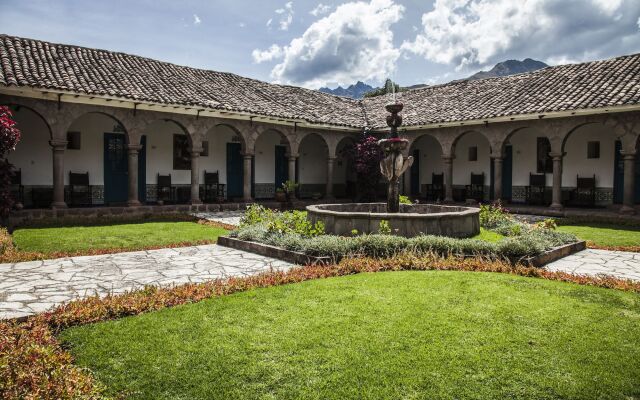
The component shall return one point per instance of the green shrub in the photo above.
(494, 215)
(384, 228)
(404, 199)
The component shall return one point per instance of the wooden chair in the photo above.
(476, 189)
(79, 189)
(166, 192)
(17, 187)
(213, 189)
(535, 192)
(435, 189)
(585, 192)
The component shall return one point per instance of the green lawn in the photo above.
(125, 236)
(605, 234)
(488, 236)
(392, 335)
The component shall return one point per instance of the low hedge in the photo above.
(529, 242)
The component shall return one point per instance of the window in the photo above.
(73, 140)
(544, 164)
(473, 153)
(181, 156)
(593, 150)
(205, 148)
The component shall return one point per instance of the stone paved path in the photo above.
(621, 264)
(31, 287)
(226, 217)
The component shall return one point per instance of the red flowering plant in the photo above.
(9, 138)
(366, 155)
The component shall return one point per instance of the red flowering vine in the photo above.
(9, 138)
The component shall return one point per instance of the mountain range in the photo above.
(504, 68)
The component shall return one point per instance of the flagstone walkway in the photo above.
(621, 264)
(31, 287)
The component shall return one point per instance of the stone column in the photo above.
(448, 178)
(556, 194)
(195, 175)
(246, 191)
(330, 162)
(58, 147)
(292, 172)
(132, 151)
(629, 178)
(497, 178)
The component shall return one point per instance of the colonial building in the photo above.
(107, 128)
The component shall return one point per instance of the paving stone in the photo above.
(620, 264)
(36, 286)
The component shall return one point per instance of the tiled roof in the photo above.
(597, 84)
(39, 64)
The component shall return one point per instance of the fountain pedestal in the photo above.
(394, 164)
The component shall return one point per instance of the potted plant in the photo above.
(289, 188)
(281, 196)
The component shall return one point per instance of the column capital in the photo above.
(556, 155)
(58, 144)
(134, 147)
(195, 151)
(447, 158)
(628, 154)
(292, 157)
(331, 159)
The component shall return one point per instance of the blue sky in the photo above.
(312, 43)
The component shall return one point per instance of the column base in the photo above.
(248, 200)
(59, 204)
(196, 202)
(556, 206)
(627, 210)
(133, 203)
(447, 201)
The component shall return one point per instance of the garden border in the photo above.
(295, 257)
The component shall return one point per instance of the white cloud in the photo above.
(353, 43)
(242, 24)
(269, 22)
(196, 19)
(471, 33)
(286, 16)
(272, 53)
(320, 9)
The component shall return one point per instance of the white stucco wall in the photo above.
(576, 162)
(33, 152)
(462, 167)
(312, 164)
(160, 153)
(430, 158)
(524, 150)
(265, 157)
(341, 167)
(90, 157)
(218, 138)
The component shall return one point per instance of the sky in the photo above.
(329, 43)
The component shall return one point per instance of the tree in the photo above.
(366, 155)
(389, 87)
(9, 138)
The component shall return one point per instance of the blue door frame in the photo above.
(142, 171)
(115, 168)
(234, 170)
(282, 170)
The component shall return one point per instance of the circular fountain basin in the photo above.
(412, 220)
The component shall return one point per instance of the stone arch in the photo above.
(260, 131)
(461, 134)
(270, 160)
(505, 141)
(313, 157)
(429, 151)
(471, 151)
(40, 116)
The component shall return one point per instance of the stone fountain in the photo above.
(404, 219)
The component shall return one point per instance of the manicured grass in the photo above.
(413, 335)
(488, 236)
(118, 236)
(605, 235)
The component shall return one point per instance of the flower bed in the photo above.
(33, 365)
(291, 231)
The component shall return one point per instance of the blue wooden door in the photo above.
(282, 171)
(234, 170)
(115, 168)
(142, 171)
(618, 174)
(507, 173)
(415, 173)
